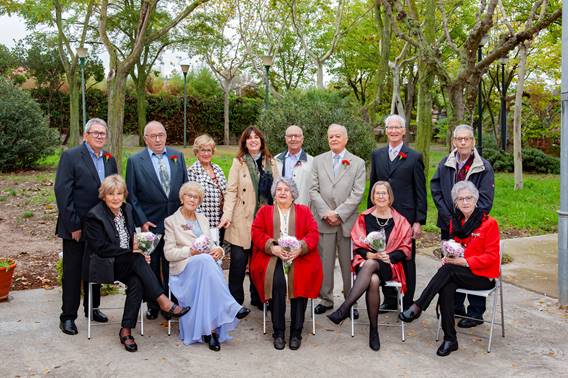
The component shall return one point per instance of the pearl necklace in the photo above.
(382, 225)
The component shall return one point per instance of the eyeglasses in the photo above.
(205, 151)
(381, 194)
(394, 127)
(468, 199)
(157, 136)
(97, 134)
(191, 196)
(292, 136)
(463, 139)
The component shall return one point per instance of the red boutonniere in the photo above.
(402, 155)
(467, 168)
(345, 163)
(107, 156)
(174, 158)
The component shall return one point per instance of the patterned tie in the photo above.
(335, 165)
(392, 154)
(164, 175)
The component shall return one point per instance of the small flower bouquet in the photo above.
(376, 240)
(147, 241)
(202, 244)
(288, 243)
(451, 248)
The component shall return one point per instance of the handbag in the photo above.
(101, 269)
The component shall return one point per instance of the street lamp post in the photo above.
(479, 99)
(503, 61)
(267, 62)
(82, 54)
(184, 69)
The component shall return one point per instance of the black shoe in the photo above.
(152, 313)
(447, 347)
(166, 315)
(295, 342)
(130, 346)
(355, 314)
(386, 307)
(409, 315)
(279, 343)
(374, 341)
(68, 327)
(337, 317)
(243, 312)
(469, 323)
(320, 309)
(214, 344)
(171, 312)
(98, 316)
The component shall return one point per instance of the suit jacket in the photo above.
(145, 193)
(77, 188)
(341, 194)
(406, 177)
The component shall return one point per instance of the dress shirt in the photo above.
(97, 161)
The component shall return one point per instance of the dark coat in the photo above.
(76, 188)
(145, 193)
(480, 174)
(406, 177)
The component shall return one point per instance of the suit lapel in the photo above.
(173, 169)
(328, 165)
(343, 168)
(148, 168)
(88, 162)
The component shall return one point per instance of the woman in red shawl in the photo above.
(374, 268)
(269, 259)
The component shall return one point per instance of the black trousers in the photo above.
(73, 253)
(445, 283)
(477, 305)
(278, 306)
(161, 268)
(237, 271)
(132, 270)
(410, 273)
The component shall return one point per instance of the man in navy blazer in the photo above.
(403, 168)
(79, 174)
(153, 178)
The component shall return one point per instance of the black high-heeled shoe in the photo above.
(374, 341)
(171, 311)
(413, 312)
(337, 316)
(214, 343)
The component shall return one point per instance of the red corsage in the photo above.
(467, 168)
(402, 155)
(345, 163)
(107, 156)
(174, 158)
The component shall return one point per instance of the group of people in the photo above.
(287, 218)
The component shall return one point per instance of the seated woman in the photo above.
(479, 235)
(374, 268)
(196, 278)
(109, 231)
(269, 259)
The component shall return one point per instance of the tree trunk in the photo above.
(75, 112)
(456, 108)
(226, 90)
(116, 88)
(141, 105)
(320, 74)
(384, 27)
(517, 148)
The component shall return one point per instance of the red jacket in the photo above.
(305, 275)
(481, 249)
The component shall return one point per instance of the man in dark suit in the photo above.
(153, 178)
(79, 174)
(403, 168)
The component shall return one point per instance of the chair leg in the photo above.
(352, 322)
(439, 327)
(142, 318)
(313, 318)
(264, 318)
(502, 309)
(492, 321)
(90, 310)
(400, 303)
(169, 320)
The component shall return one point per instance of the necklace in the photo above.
(382, 225)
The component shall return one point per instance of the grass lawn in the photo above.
(531, 210)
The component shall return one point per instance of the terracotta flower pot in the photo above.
(6, 278)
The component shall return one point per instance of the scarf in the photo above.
(255, 176)
(463, 231)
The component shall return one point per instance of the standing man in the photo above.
(153, 178)
(403, 168)
(337, 188)
(79, 174)
(296, 163)
(463, 163)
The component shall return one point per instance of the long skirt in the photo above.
(202, 286)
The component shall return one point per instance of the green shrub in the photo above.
(534, 161)
(314, 110)
(24, 133)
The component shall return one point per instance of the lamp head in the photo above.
(184, 68)
(267, 60)
(82, 52)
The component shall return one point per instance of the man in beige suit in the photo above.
(337, 188)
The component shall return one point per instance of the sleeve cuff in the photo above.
(269, 243)
(303, 247)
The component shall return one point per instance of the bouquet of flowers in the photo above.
(202, 244)
(147, 241)
(376, 240)
(451, 248)
(288, 243)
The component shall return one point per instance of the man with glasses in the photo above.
(79, 174)
(296, 164)
(153, 178)
(463, 163)
(403, 168)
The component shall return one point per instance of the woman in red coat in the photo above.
(476, 270)
(300, 260)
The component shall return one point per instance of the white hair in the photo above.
(467, 128)
(338, 126)
(152, 123)
(94, 121)
(464, 185)
(395, 118)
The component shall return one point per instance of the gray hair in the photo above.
(338, 126)
(152, 123)
(395, 118)
(94, 121)
(464, 185)
(467, 128)
(289, 182)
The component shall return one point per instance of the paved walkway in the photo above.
(536, 343)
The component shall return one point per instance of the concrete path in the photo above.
(536, 344)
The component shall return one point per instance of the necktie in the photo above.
(392, 154)
(335, 165)
(164, 175)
